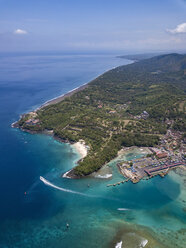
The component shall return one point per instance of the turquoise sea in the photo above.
(148, 214)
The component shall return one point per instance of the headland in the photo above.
(141, 104)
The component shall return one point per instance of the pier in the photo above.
(118, 183)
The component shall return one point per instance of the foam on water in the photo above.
(143, 243)
(123, 209)
(104, 176)
(119, 245)
(38, 221)
(46, 182)
(66, 173)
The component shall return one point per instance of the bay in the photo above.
(33, 214)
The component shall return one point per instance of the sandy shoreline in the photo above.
(54, 101)
(71, 92)
(63, 96)
(82, 149)
(80, 146)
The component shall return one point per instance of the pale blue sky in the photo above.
(92, 25)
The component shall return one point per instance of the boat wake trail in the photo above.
(46, 182)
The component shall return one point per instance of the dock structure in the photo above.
(118, 183)
(161, 168)
(145, 172)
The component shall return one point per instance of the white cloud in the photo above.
(180, 29)
(20, 31)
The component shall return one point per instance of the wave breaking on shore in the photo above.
(119, 245)
(104, 176)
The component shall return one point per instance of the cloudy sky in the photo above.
(92, 25)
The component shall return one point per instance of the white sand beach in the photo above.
(81, 148)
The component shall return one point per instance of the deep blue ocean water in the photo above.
(38, 219)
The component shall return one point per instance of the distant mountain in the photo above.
(168, 68)
(137, 57)
(169, 62)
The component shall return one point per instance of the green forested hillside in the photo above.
(109, 113)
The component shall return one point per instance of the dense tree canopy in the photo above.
(108, 114)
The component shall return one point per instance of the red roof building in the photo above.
(161, 154)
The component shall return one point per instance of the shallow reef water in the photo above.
(34, 214)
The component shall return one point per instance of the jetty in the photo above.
(147, 168)
(118, 183)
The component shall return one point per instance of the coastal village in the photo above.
(159, 160)
(104, 125)
(170, 154)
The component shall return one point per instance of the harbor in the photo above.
(158, 160)
(136, 172)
